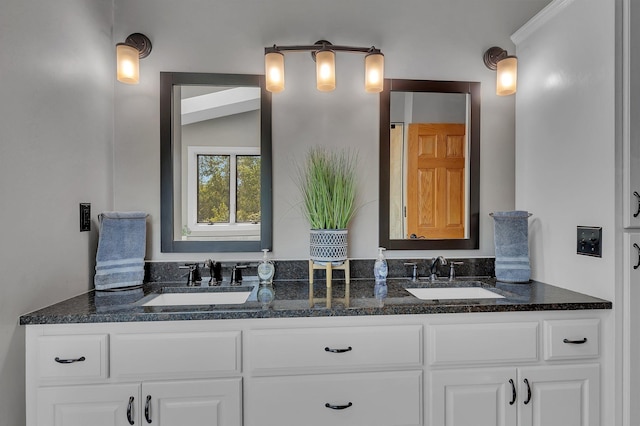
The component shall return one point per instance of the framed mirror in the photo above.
(429, 165)
(215, 163)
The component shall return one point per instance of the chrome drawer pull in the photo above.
(513, 392)
(575, 342)
(338, 407)
(338, 351)
(130, 411)
(69, 361)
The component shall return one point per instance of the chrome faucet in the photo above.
(193, 276)
(434, 267)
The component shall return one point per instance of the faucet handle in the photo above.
(414, 274)
(452, 272)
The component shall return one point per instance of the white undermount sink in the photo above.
(223, 295)
(208, 298)
(433, 293)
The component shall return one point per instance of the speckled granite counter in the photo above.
(292, 300)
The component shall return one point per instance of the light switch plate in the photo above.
(589, 241)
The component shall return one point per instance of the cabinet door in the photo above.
(631, 125)
(473, 397)
(192, 403)
(631, 337)
(96, 405)
(567, 395)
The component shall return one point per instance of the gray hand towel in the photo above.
(121, 250)
(511, 234)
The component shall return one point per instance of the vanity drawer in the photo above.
(334, 349)
(168, 355)
(571, 339)
(372, 399)
(483, 343)
(72, 357)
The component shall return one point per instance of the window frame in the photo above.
(218, 230)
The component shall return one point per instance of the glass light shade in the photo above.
(325, 70)
(507, 76)
(128, 63)
(374, 72)
(274, 71)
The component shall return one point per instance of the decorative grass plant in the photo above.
(327, 182)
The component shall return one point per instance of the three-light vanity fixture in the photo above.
(324, 54)
(128, 54)
(506, 67)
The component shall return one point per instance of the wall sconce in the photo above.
(128, 54)
(323, 53)
(497, 59)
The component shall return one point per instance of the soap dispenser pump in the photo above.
(380, 266)
(266, 270)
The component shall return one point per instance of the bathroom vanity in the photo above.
(532, 357)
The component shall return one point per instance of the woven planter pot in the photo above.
(328, 245)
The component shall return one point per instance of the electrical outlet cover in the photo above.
(589, 241)
(85, 217)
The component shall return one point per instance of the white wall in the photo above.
(565, 142)
(433, 39)
(566, 157)
(56, 124)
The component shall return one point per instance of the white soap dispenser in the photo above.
(380, 266)
(266, 270)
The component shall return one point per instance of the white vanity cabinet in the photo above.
(498, 380)
(395, 370)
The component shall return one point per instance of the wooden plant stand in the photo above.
(329, 268)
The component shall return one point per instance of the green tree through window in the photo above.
(248, 189)
(215, 186)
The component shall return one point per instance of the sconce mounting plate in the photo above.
(492, 56)
(320, 44)
(140, 42)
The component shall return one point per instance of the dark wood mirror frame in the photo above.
(168, 243)
(465, 87)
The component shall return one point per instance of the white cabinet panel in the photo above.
(193, 402)
(94, 405)
(72, 357)
(175, 354)
(571, 339)
(473, 397)
(631, 339)
(483, 343)
(371, 399)
(337, 348)
(565, 395)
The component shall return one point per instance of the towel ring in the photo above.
(529, 215)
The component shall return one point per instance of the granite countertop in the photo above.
(292, 300)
